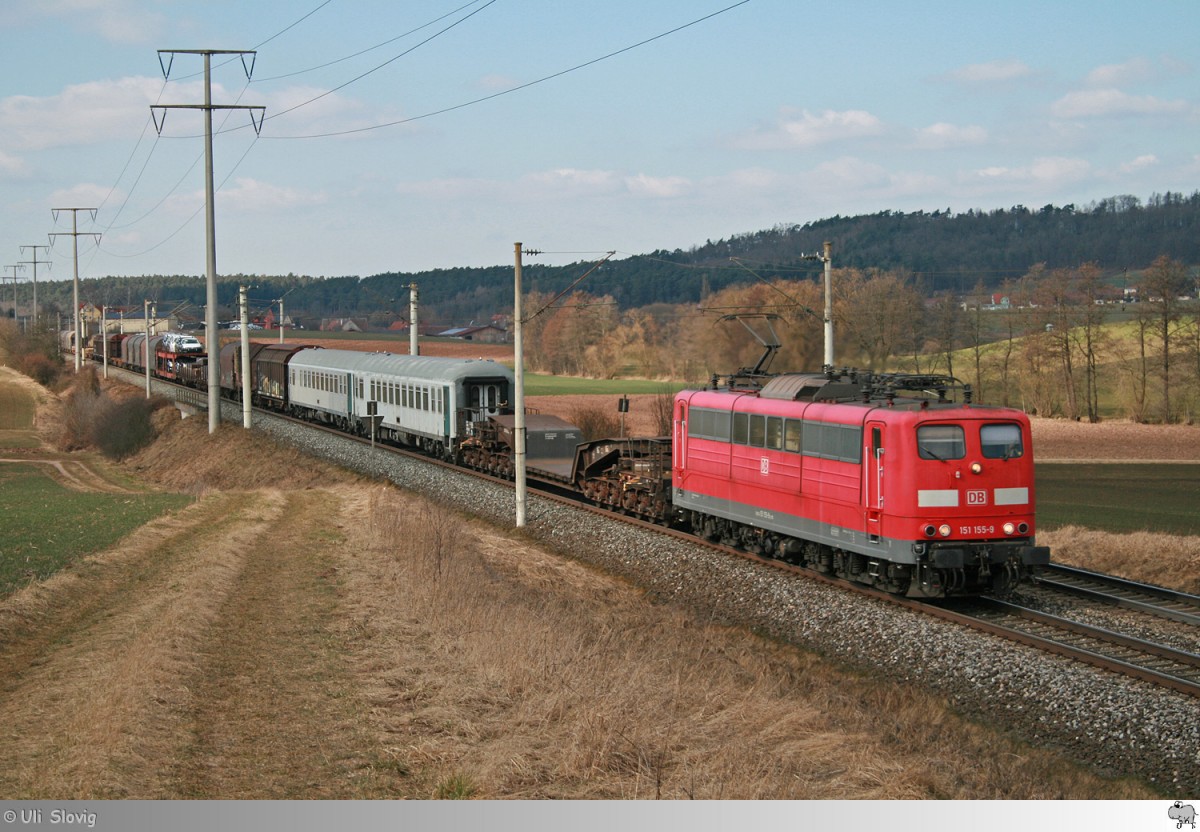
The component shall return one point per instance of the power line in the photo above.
(371, 71)
(518, 88)
(368, 49)
(112, 225)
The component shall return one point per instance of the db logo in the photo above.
(977, 498)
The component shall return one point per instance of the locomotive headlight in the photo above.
(930, 530)
(1009, 528)
(976, 468)
(944, 530)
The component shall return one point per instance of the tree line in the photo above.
(1065, 341)
(941, 251)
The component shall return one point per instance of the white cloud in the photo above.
(942, 135)
(574, 179)
(497, 83)
(306, 110)
(12, 167)
(85, 194)
(850, 172)
(253, 196)
(1111, 75)
(1052, 170)
(118, 21)
(1112, 102)
(1140, 163)
(992, 72)
(802, 130)
(657, 186)
(81, 114)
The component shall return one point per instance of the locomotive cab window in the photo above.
(941, 442)
(1001, 441)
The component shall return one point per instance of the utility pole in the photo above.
(74, 235)
(149, 334)
(14, 268)
(104, 335)
(414, 334)
(35, 261)
(827, 258)
(519, 393)
(244, 317)
(210, 323)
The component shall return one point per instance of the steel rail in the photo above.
(1132, 595)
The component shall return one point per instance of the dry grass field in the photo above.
(298, 632)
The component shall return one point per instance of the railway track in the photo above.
(1145, 660)
(1164, 666)
(1108, 589)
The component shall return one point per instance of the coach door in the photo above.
(873, 466)
(484, 399)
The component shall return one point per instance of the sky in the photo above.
(405, 135)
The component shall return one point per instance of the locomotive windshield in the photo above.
(941, 442)
(1001, 441)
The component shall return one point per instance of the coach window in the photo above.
(1001, 441)
(941, 442)
(775, 433)
(425, 398)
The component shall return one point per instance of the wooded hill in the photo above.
(939, 252)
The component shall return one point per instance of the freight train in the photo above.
(896, 481)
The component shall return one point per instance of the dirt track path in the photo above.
(202, 661)
(73, 474)
(275, 709)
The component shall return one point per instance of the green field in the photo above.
(47, 527)
(539, 385)
(1120, 497)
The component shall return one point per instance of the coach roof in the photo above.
(430, 367)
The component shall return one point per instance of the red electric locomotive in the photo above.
(881, 479)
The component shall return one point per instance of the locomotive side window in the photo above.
(775, 433)
(1001, 441)
(829, 441)
(741, 428)
(758, 430)
(791, 436)
(709, 424)
(941, 442)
